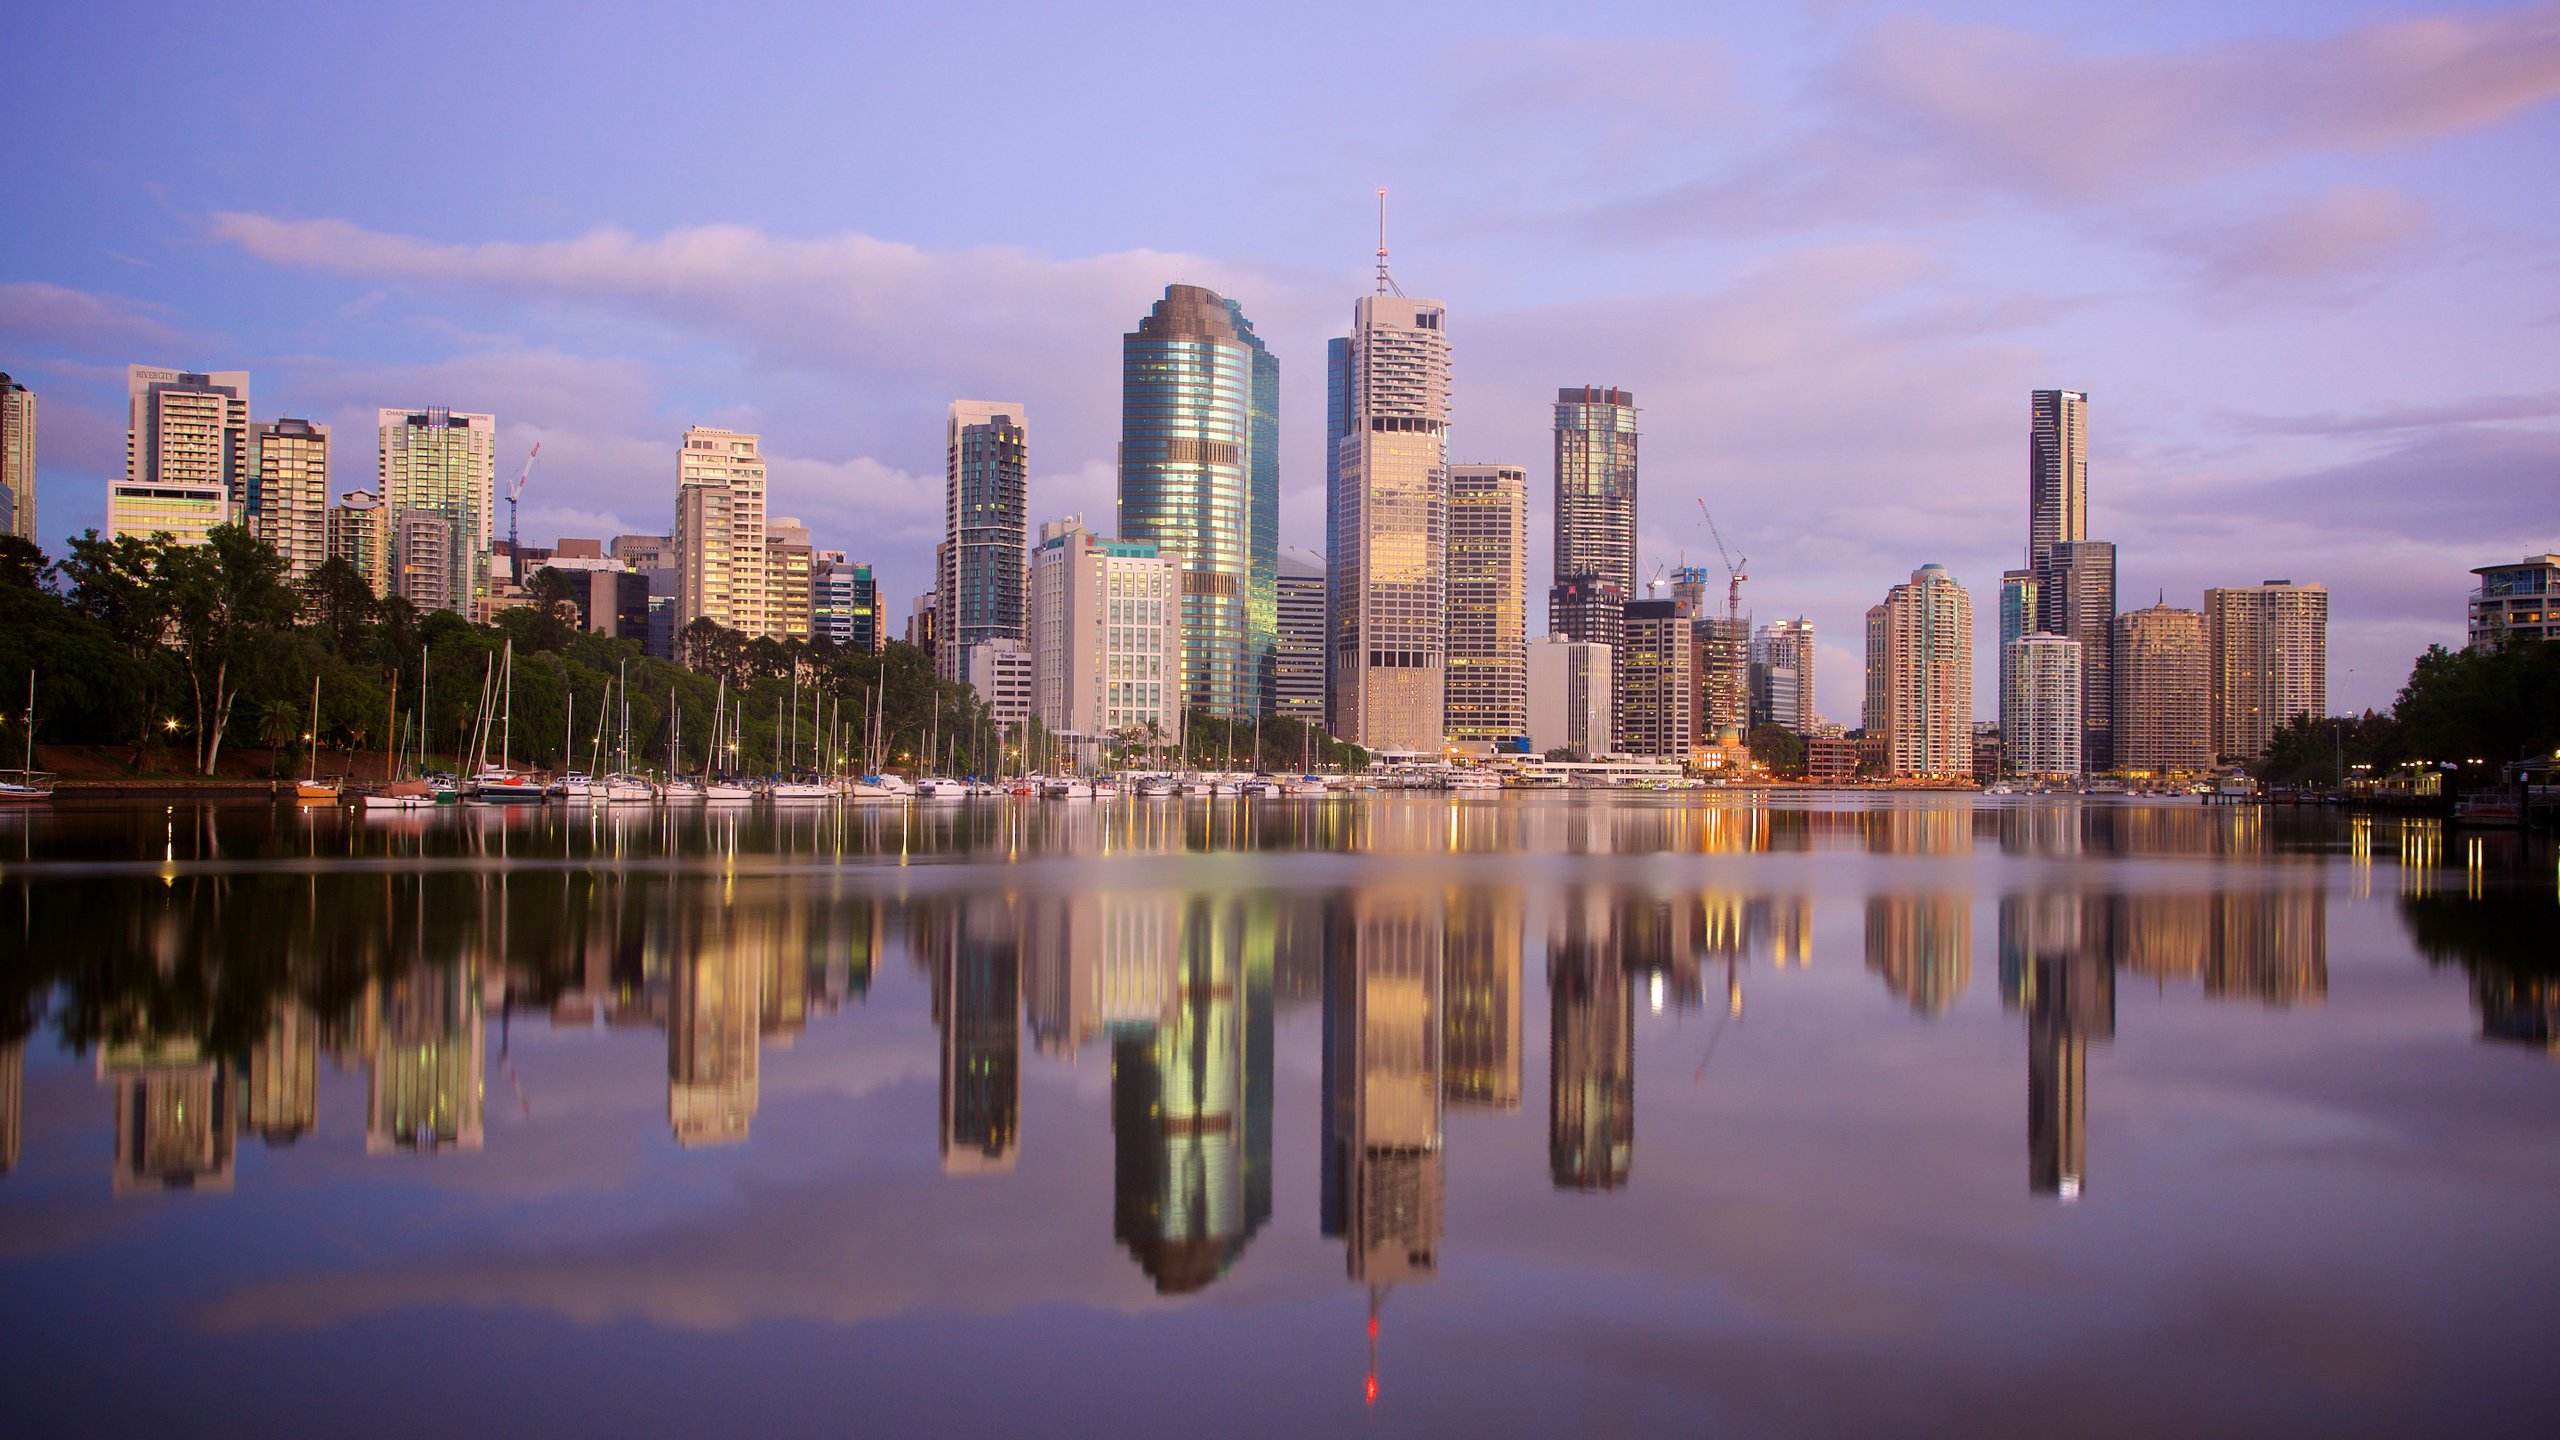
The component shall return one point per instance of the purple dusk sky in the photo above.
(2302, 256)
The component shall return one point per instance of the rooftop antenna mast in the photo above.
(1386, 283)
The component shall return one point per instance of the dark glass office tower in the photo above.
(1200, 476)
(1595, 550)
(980, 594)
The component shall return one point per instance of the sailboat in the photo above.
(502, 784)
(721, 790)
(395, 793)
(311, 789)
(626, 786)
(27, 785)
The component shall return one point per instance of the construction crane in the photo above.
(1733, 567)
(515, 492)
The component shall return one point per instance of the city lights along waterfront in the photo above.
(1470, 1114)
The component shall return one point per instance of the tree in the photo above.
(21, 563)
(1779, 748)
(228, 602)
(342, 603)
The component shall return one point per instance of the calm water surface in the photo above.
(1544, 1114)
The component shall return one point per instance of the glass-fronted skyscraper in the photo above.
(1200, 476)
(1595, 550)
(2057, 472)
(987, 479)
(443, 463)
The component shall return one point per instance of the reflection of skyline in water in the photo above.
(1420, 985)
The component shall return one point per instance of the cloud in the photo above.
(1926, 121)
(2026, 112)
(38, 316)
(2348, 232)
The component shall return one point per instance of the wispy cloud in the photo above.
(38, 316)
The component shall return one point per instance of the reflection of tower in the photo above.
(13, 1098)
(1591, 1090)
(980, 964)
(2272, 948)
(282, 1099)
(1480, 1021)
(173, 1116)
(426, 1062)
(2054, 963)
(1922, 945)
(712, 1028)
(1191, 1105)
(1383, 1167)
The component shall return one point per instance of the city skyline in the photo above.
(2226, 271)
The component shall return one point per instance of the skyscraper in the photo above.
(2021, 614)
(790, 564)
(1105, 634)
(18, 455)
(2057, 472)
(1388, 523)
(444, 463)
(2040, 724)
(720, 531)
(293, 492)
(2267, 652)
(1298, 651)
(845, 602)
(1199, 445)
(2076, 595)
(986, 474)
(1595, 540)
(2162, 713)
(1920, 675)
(1652, 681)
(1782, 669)
(187, 465)
(1487, 693)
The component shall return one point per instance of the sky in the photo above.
(2304, 257)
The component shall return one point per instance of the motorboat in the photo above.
(315, 792)
(1062, 788)
(1307, 787)
(1158, 787)
(628, 790)
(938, 787)
(1258, 786)
(576, 785)
(1475, 780)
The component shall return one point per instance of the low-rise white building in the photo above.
(1569, 695)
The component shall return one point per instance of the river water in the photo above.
(1528, 1114)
